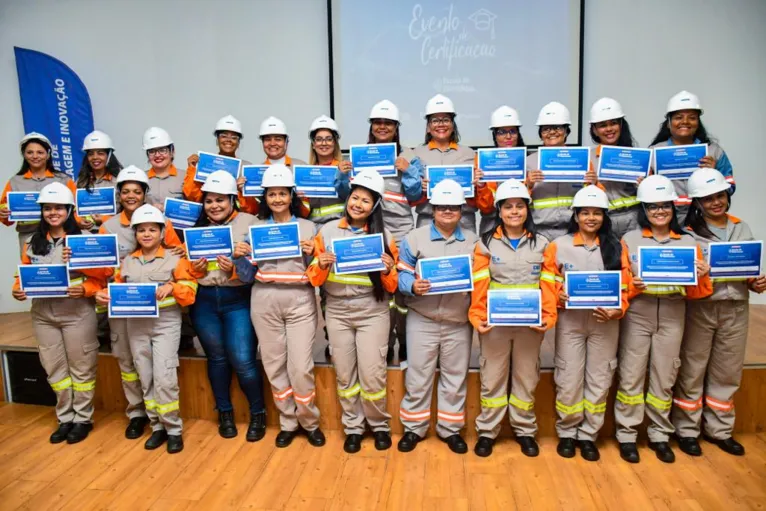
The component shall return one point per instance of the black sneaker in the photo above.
(79, 432)
(136, 427)
(257, 428)
(408, 442)
(61, 433)
(484, 446)
(629, 452)
(158, 438)
(353, 443)
(226, 426)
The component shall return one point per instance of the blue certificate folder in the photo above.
(740, 259)
(44, 280)
(564, 164)
(253, 175)
(678, 161)
(358, 254)
(209, 163)
(24, 206)
(275, 241)
(182, 213)
(503, 163)
(669, 266)
(93, 251)
(378, 157)
(208, 242)
(463, 174)
(591, 289)
(450, 274)
(316, 180)
(624, 164)
(514, 307)
(133, 301)
(99, 201)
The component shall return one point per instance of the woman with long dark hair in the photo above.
(509, 255)
(99, 169)
(357, 314)
(713, 349)
(586, 340)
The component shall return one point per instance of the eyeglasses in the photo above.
(549, 129)
(229, 136)
(506, 132)
(440, 121)
(324, 140)
(665, 206)
(164, 151)
(447, 208)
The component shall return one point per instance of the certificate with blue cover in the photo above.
(668, 266)
(275, 241)
(182, 213)
(503, 163)
(358, 254)
(316, 181)
(591, 289)
(735, 259)
(451, 274)
(133, 301)
(44, 280)
(564, 164)
(98, 201)
(678, 161)
(514, 307)
(463, 174)
(24, 206)
(93, 251)
(253, 175)
(623, 164)
(378, 157)
(208, 242)
(209, 163)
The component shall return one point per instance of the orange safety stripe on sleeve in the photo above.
(627, 280)
(317, 276)
(477, 312)
(550, 290)
(184, 294)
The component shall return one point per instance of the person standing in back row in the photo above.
(99, 169)
(164, 179)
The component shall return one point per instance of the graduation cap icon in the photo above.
(484, 20)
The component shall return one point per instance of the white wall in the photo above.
(142, 62)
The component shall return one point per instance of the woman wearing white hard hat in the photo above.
(132, 189)
(713, 349)
(586, 339)
(99, 169)
(551, 201)
(154, 341)
(437, 325)
(285, 315)
(683, 125)
(36, 171)
(608, 126)
(509, 255)
(65, 327)
(221, 313)
(357, 313)
(652, 329)
(228, 136)
(164, 179)
(325, 150)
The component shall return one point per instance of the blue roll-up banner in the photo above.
(54, 102)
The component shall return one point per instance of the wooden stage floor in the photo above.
(109, 472)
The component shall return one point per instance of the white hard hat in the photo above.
(221, 182)
(326, 123)
(553, 114)
(656, 188)
(590, 197)
(97, 140)
(56, 193)
(34, 136)
(272, 126)
(228, 123)
(447, 193)
(439, 104)
(132, 173)
(156, 137)
(278, 175)
(385, 110)
(511, 189)
(370, 179)
(504, 116)
(684, 100)
(605, 109)
(147, 214)
(706, 181)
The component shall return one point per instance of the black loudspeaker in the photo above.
(28, 381)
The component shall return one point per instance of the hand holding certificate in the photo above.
(209, 163)
(668, 266)
(133, 301)
(44, 280)
(23, 206)
(503, 163)
(378, 157)
(253, 175)
(564, 164)
(358, 254)
(735, 260)
(275, 241)
(463, 174)
(592, 289)
(623, 164)
(678, 161)
(451, 274)
(208, 242)
(316, 181)
(93, 251)
(514, 307)
(99, 201)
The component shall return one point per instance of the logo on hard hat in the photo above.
(711, 180)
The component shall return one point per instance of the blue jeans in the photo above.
(221, 318)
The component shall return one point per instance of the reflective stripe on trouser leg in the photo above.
(131, 385)
(166, 338)
(569, 372)
(494, 369)
(454, 356)
(525, 375)
(600, 364)
(423, 340)
(81, 345)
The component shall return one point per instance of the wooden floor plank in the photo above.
(17, 493)
(324, 468)
(360, 484)
(276, 483)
